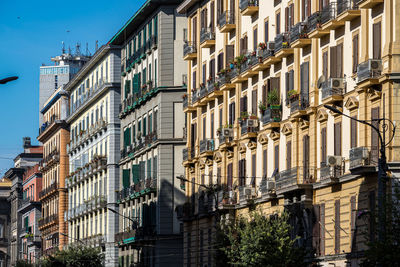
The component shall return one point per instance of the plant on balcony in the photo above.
(293, 94)
(244, 115)
(285, 44)
(239, 60)
(222, 72)
(262, 107)
(202, 85)
(216, 85)
(262, 46)
(123, 74)
(273, 99)
(184, 96)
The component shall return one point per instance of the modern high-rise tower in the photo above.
(52, 77)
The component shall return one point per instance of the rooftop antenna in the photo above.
(87, 49)
(69, 50)
(97, 45)
(63, 48)
(78, 49)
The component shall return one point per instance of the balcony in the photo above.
(332, 90)
(299, 36)
(188, 155)
(328, 18)
(47, 190)
(330, 174)
(246, 70)
(235, 73)
(282, 45)
(267, 189)
(202, 94)
(213, 89)
(298, 105)
(224, 80)
(87, 96)
(189, 51)
(33, 241)
(48, 220)
(150, 138)
(315, 22)
(226, 21)
(261, 55)
(272, 117)
(187, 103)
(126, 237)
(248, 7)
(225, 137)
(360, 161)
(347, 10)
(368, 3)
(246, 193)
(207, 147)
(249, 128)
(207, 38)
(296, 178)
(228, 200)
(368, 73)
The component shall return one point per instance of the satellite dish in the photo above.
(320, 81)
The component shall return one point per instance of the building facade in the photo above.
(5, 221)
(259, 73)
(30, 212)
(54, 135)
(53, 76)
(29, 158)
(94, 152)
(152, 136)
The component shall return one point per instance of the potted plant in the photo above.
(293, 94)
(262, 45)
(216, 85)
(253, 117)
(184, 96)
(221, 72)
(285, 44)
(262, 107)
(273, 99)
(244, 115)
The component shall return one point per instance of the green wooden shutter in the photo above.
(135, 83)
(155, 167)
(150, 123)
(156, 26)
(144, 127)
(149, 168)
(125, 178)
(26, 223)
(142, 170)
(135, 173)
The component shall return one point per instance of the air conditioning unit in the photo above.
(359, 153)
(375, 65)
(249, 192)
(334, 160)
(270, 185)
(336, 83)
(251, 123)
(227, 132)
(271, 45)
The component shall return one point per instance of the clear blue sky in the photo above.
(31, 33)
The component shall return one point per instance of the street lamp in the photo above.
(134, 223)
(8, 79)
(382, 164)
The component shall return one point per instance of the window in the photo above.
(355, 53)
(276, 157)
(278, 23)
(353, 132)
(288, 155)
(266, 31)
(323, 146)
(336, 61)
(242, 172)
(255, 39)
(254, 102)
(337, 226)
(338, 139)
(376, 35)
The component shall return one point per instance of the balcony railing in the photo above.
(48, 189)
(224, 78)
(195, 96)
(87, 95)
(247, 3)
(298, 103)
(48, 123)
(298, 31)
(47, 220)
(212, 86)
(282, 41)
(203, 92)
(266, 53)
(206, 34)
(227, 17)
(207, 145)
(289, 180)
(329, 174)
(185, 154)
(345, 5)
(187, 101)
(328, 13)
(314, 21)
(189, 48)
(370, 69)
(332, 87)
(360, 157)
(246, 127)
(272, 115)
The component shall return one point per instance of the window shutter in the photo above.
(322, 229)
(241, 108)
(291, 76)
(125, 178)
(204, 128)
(241, 178)
(337, 226)
(204, 74)
(155, 165)
(212, 69)
(325, 64)
(229, 176)
(353, 132)
(374, 136)
(308, 8)
(277, 157)
(316, 229)
(264, 94)
(288, 155)
(376, 35)
(355, 53)
(287, 19)
(353, 210)
(306, 86)
(245, 44)
(135, 173)
(232, 6)
(218, 175)
(231, 113)
(265, 162)
(303, 10)
(287, 82)
(254, 101)
(194, 82)
(323, 145)
(333, 62)
(194, 37)
(339, 63)
(255, 39)
(253, 170)
(218, 8)
(306, 156)
(212, 125)
(292, 14)
(230, 54)
(278, 23)
(266, 39)
(338, 141)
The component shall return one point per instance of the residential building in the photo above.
(52, 77)
(259, 73)
(94, 152)
(54, 135)
(29, 210)
(5, 221)
(29, 158)
(152, 135)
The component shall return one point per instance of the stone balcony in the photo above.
(360, 161)
(293, 179)
(368, 73)
(226, 21)
(189, 51)
(207, 38)
(347, 10)
(248, 7)
(207, 147)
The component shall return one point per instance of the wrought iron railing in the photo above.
(246, 3)
(345, 5)
(207, 34)
(272, 115)
(206, 145)
(227, 17)
(359, 157)
(282, 41)
(294, 176)
(298, 31)
(245, 128)
(189, 48)
(369, 69)
(328, 90)
(298, 103)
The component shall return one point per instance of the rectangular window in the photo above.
(253, 170)
(242, 172)
(338, 139)
(355, 53)
(229, 176)
(288, 155)
(255, 39)
(254, 102)
(323, 146)
(266, 31)
(337, 226)
(204, 74)
(376, 35)
(276, 158)
(212, 125)
(278, 23)
(265, 162)
(353, 132)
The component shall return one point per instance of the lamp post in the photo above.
(382, 165)
(8, 79)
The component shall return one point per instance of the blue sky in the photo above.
(30, 33)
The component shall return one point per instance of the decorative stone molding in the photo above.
(274, 135)
(322, 115)
(351, 103)
(252, 145)
(303, 124)
(217, 157)
(242, 148)
(263, 139)
(373, 94)
(229, 154)
(286, 129)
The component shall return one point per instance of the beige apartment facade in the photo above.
(259, 75)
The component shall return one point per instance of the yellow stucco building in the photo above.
(259, 75)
